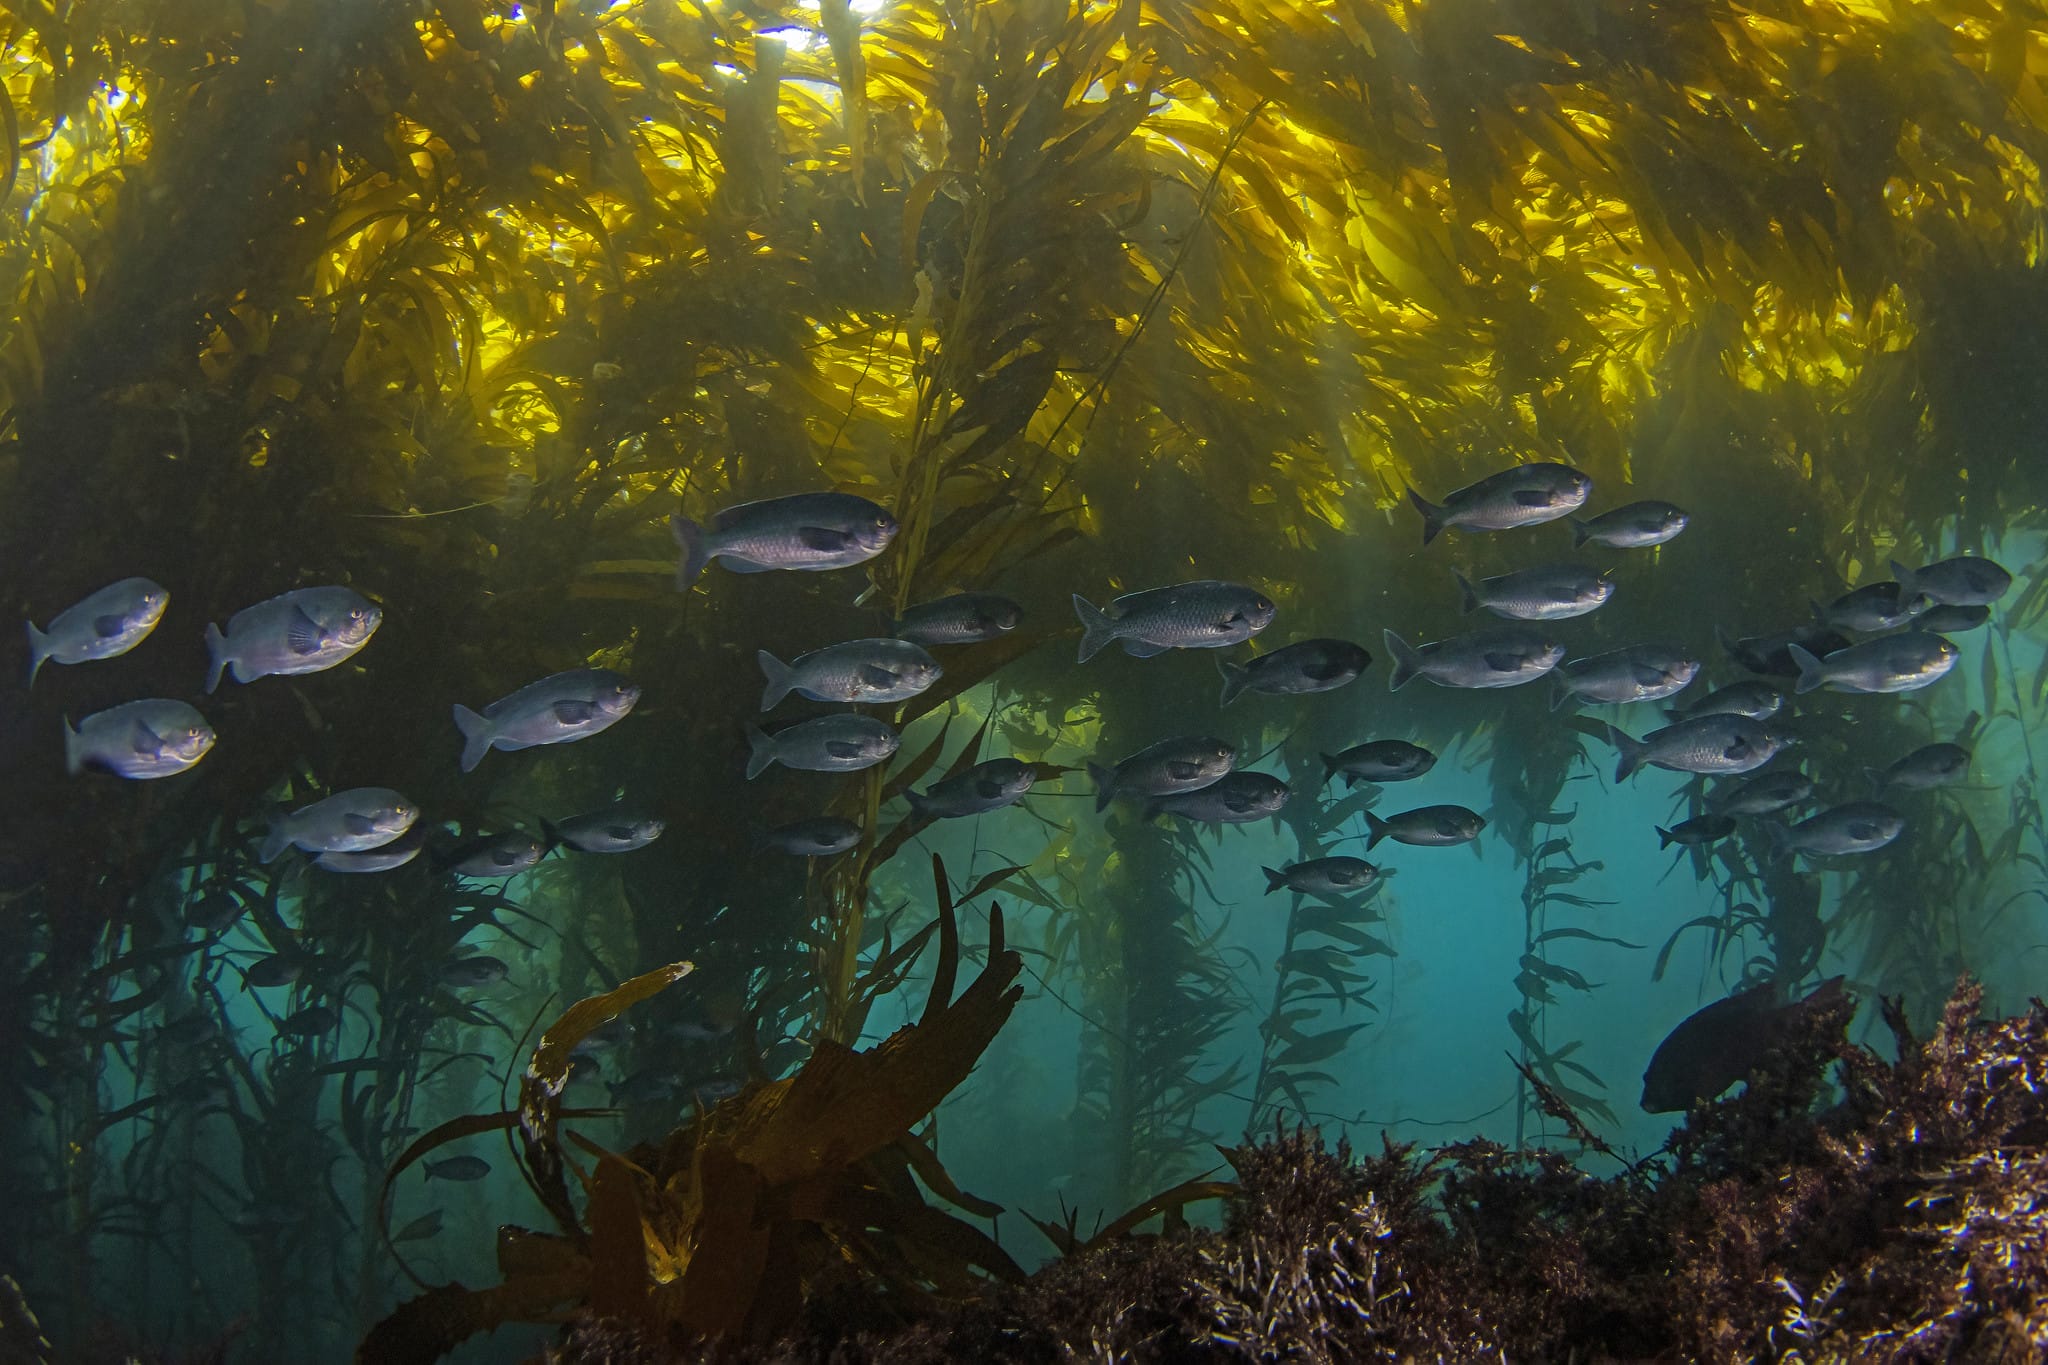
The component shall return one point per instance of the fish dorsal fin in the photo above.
(302, 634)
(108, 626)
(573, 711)
(824, 538)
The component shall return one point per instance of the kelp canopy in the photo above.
(456, 301)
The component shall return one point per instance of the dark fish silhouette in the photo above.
(458, 1168)
(963, 619)
(1304, 666)
(819, 836)
(1713, 1048)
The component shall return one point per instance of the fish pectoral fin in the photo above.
(619, 832)
(824, 539)
(1180, 770)
(877, 677)
(303, 635)
(987, 790)
(573, 712)
(147, 742)
(107, 627)
(1322, 670)
(1143, 649)
(842, 748)
(1532, 497)
(358, 824)
(1503, 663)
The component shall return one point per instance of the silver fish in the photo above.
(1858, 827)
(277, 969)
(1763, 795)
(1944, 619)
(505, 855)
(613, 830)
(1168, 768)
(829, 744)
(110, 622)
(1874, 606)
(1891, 663)
(857, 671)
(1291, 670)
(820, 836)
(1379, 760)
(1701, 829)
(307, 630)
(1236, 798)
(1931, 765)
(347, 822)
(1630, 674)
(383, 858)
(1426, 827)
(1551, 592)
(986, 786)
(1525, 495)
(469, 972)
(1632, 527)
(1322, 876)
(556, 710)
(965, 618)
(140, 740)
(1492, 656)
(806, 531)
(1757, 700)
(1204, 614)
(1704, 744)
(1964, 581)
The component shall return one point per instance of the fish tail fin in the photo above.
(1560, 691)
(216, 656)
(1097, 630)
(1820, 613)
(1779, 838)
(1908, 587)
(476, 736)
(1676, 713)
(1377, 829)
(1329, 767)
(1580, 532)
(1275, 879)
(1407, 663)
(1633, 752)
(1236, 677)
(1664, 837)
(550, 837)
(1105, 785)
(696, 554)
(38, 650)
(277, 840)
(1432, 516)
(920, 805)
(1876, 778)
(760, 751)
(1724, 639)
(779, 681)
(1151, 810)
(1469, 600)
(74, 750)
(1811, 674)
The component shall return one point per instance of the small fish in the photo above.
(307, 630)
(110, 622)
(1235, 798)
(1705, 744)
(1633, 673)
(857, 671)
(1205, 614)
(1492, 656)
(1713, 1048)
(1964, 581)
(1379, 760)
(1891, 663)
(1857, 827)
(1322, 876)
(644, 1087)
(556, 710)
(804, 531)
(820, 836)
(1304, 666)
(1525, 495)
(1426, 827)
(347, 822)
(278, 969)
(1168, 768)
(1950, 620)
(613, 830)
(1771, 655)
(465, 973)
(829, 744)
(1875, 606)
(139, 740)
(1553, 592)
(503, 855)
(383, 858)
(1757, 700)
(458, 1168)
(1701, 829)
(419, 1229)
(986, 786)
(604, 1037)
(1764, 794)
(965, 618)
(310, 1022)
(1635, 526)
(1931, 765)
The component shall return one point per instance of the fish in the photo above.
(1426, 827)
(1204, 614)
(1763, 794)
(1552, 592)
(818, 837)
(1634, 673)
(1875, 606)
(1492, 656)
(1944, 619)
(501, 855)
(186, 1031)
(307, 630)
(102, 625)
(1704, 744)
(346, 822)
(1235, 798)
(138, 740)
(612, 830)
(1891, 663)
(419, 1229)
(278, 969)
(1322, 876)
(1701, 829)
(309, 1022)
(1168, 768)
(464, 973)
(1379, 760)
(558, 709)
(965, 618)
(1757, 700)
(986, 786)
(1714, 1047)
(828, 744)
(1855, 827)
(1291, 670)
(1964, 581)
(1634, 526)
(1524, 495)
(650, 1086)
(383, 858)
(856, 671)
(1771, 655)
(1931, 765)
(809, 532)
(458, 1168)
